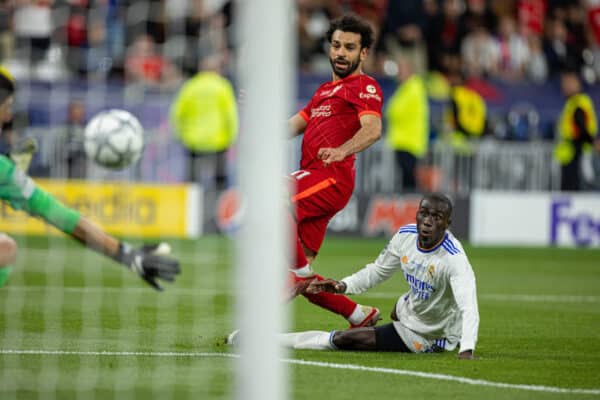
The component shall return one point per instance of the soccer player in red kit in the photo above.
(342, 118)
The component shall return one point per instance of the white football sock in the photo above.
(357, 316)
(308, 340)
(304, 272)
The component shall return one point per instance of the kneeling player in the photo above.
(439, 311)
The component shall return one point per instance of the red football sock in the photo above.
(300, 260)
(336, 303)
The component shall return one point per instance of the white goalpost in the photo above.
(265, 68)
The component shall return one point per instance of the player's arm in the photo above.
(151, 262)
(22, 193)
(386, 264)
(462, 282)
(297, 124)
(369, 133)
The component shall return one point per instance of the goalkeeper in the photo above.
(150, 262)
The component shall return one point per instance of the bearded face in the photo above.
(345, 53)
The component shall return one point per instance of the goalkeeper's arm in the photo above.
(151, 263)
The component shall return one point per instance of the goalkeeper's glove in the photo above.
(22, 152)
(150, 262)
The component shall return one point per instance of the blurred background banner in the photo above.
(127, 209)
(552, 219)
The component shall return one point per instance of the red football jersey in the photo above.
(333, 116)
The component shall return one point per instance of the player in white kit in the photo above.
(439, 312)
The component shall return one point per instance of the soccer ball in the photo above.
(114, 139)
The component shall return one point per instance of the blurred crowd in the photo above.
(154, 42)
(512, 40)
(161, 42)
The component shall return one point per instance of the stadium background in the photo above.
(511, 199)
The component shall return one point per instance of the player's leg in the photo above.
(8, 255)
(357, 315)
(318, 197)
(380, 338)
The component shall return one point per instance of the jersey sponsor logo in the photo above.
(321, 111)
(366, 96)
(582, 228)
(420, 289)
(330, 92)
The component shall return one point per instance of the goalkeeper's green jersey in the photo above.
(19, 190)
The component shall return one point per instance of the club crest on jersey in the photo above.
(371, 89)
(431, 271)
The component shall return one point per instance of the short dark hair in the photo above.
(354, 24)
(441, 198)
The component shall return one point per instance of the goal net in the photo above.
(74, 324)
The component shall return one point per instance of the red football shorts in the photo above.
(319, 195)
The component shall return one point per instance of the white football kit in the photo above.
(440, 309)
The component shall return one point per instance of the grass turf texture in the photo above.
(61, 297)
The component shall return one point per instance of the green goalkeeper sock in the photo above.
(4, 273)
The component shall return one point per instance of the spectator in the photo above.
(312, 25)
(513, 49)
(70, 148)
(33, 28)
(183, 23)
(444, 37)
(402, 35)
(480, 53)
(536, 66)
(466, 116)
(6, 35)
(407, 113)
(145, 65)
(204, 117)
(478, 13)
(577, 130)
(76, 38)
(88, 50)
(556, 48)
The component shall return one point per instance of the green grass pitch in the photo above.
(74, 325)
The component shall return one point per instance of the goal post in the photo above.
(265, 68)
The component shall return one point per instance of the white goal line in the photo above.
(354, 367)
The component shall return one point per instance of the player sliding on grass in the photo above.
(342, 118)
(436, 314)
(18, 190)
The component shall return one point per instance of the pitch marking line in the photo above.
(354, 367)
(531, 298)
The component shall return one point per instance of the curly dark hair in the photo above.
(354, 24)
